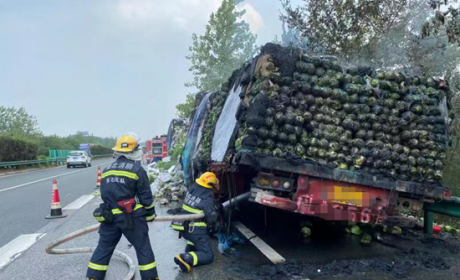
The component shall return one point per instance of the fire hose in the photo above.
(51, 248)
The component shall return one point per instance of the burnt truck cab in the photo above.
(333, 194)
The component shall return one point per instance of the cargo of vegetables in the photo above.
(305, 108)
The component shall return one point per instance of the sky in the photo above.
(107, 66)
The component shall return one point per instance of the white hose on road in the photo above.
(51, 249)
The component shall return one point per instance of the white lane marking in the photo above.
(77, 204)
(31, 171)
(52, 177)
(17, 246)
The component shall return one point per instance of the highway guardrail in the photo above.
(35, 162)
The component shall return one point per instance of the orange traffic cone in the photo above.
(56, 211)
(98, 182)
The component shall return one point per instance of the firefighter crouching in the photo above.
(128, 206)
(199, 199)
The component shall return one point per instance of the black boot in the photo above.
(184, 261)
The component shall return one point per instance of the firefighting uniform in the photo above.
(198, 200)
(125, 179)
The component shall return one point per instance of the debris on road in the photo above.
(306, 232)
(168, 186)
(367, 239)
(356, 230)
(420, 256)
(396, 230)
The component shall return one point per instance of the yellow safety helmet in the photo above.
(208, 180)
(127, 143)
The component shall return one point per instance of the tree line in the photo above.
(22, 139)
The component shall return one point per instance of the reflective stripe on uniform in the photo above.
(190, 243)
(195, 258)
(198, 224)
(177, 227)
(127, 174)
(191, 210)
(98, 266)
(117, 211)
(151, 206)
(147, 266)
(149, 218)
(100, 219)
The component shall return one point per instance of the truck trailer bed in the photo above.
(427, 190)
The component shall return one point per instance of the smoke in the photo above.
(251, 17)
(186, 15)
(399, 49)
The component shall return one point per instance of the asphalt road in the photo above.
(25, 199)
(30, 262)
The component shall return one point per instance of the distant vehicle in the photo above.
(86, 148)
(78, 158)
(156, 149)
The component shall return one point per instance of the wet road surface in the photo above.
(332, 254)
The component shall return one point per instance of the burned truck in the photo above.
(308, 135)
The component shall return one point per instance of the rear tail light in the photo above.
(271, 181)
(264, 182)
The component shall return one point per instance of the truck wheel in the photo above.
(90, 164)
(68, 166)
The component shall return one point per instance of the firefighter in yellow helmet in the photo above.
(128, 206)
(199, 199)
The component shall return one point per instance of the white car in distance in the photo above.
(78, 158)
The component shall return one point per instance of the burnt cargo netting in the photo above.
(301, 107)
